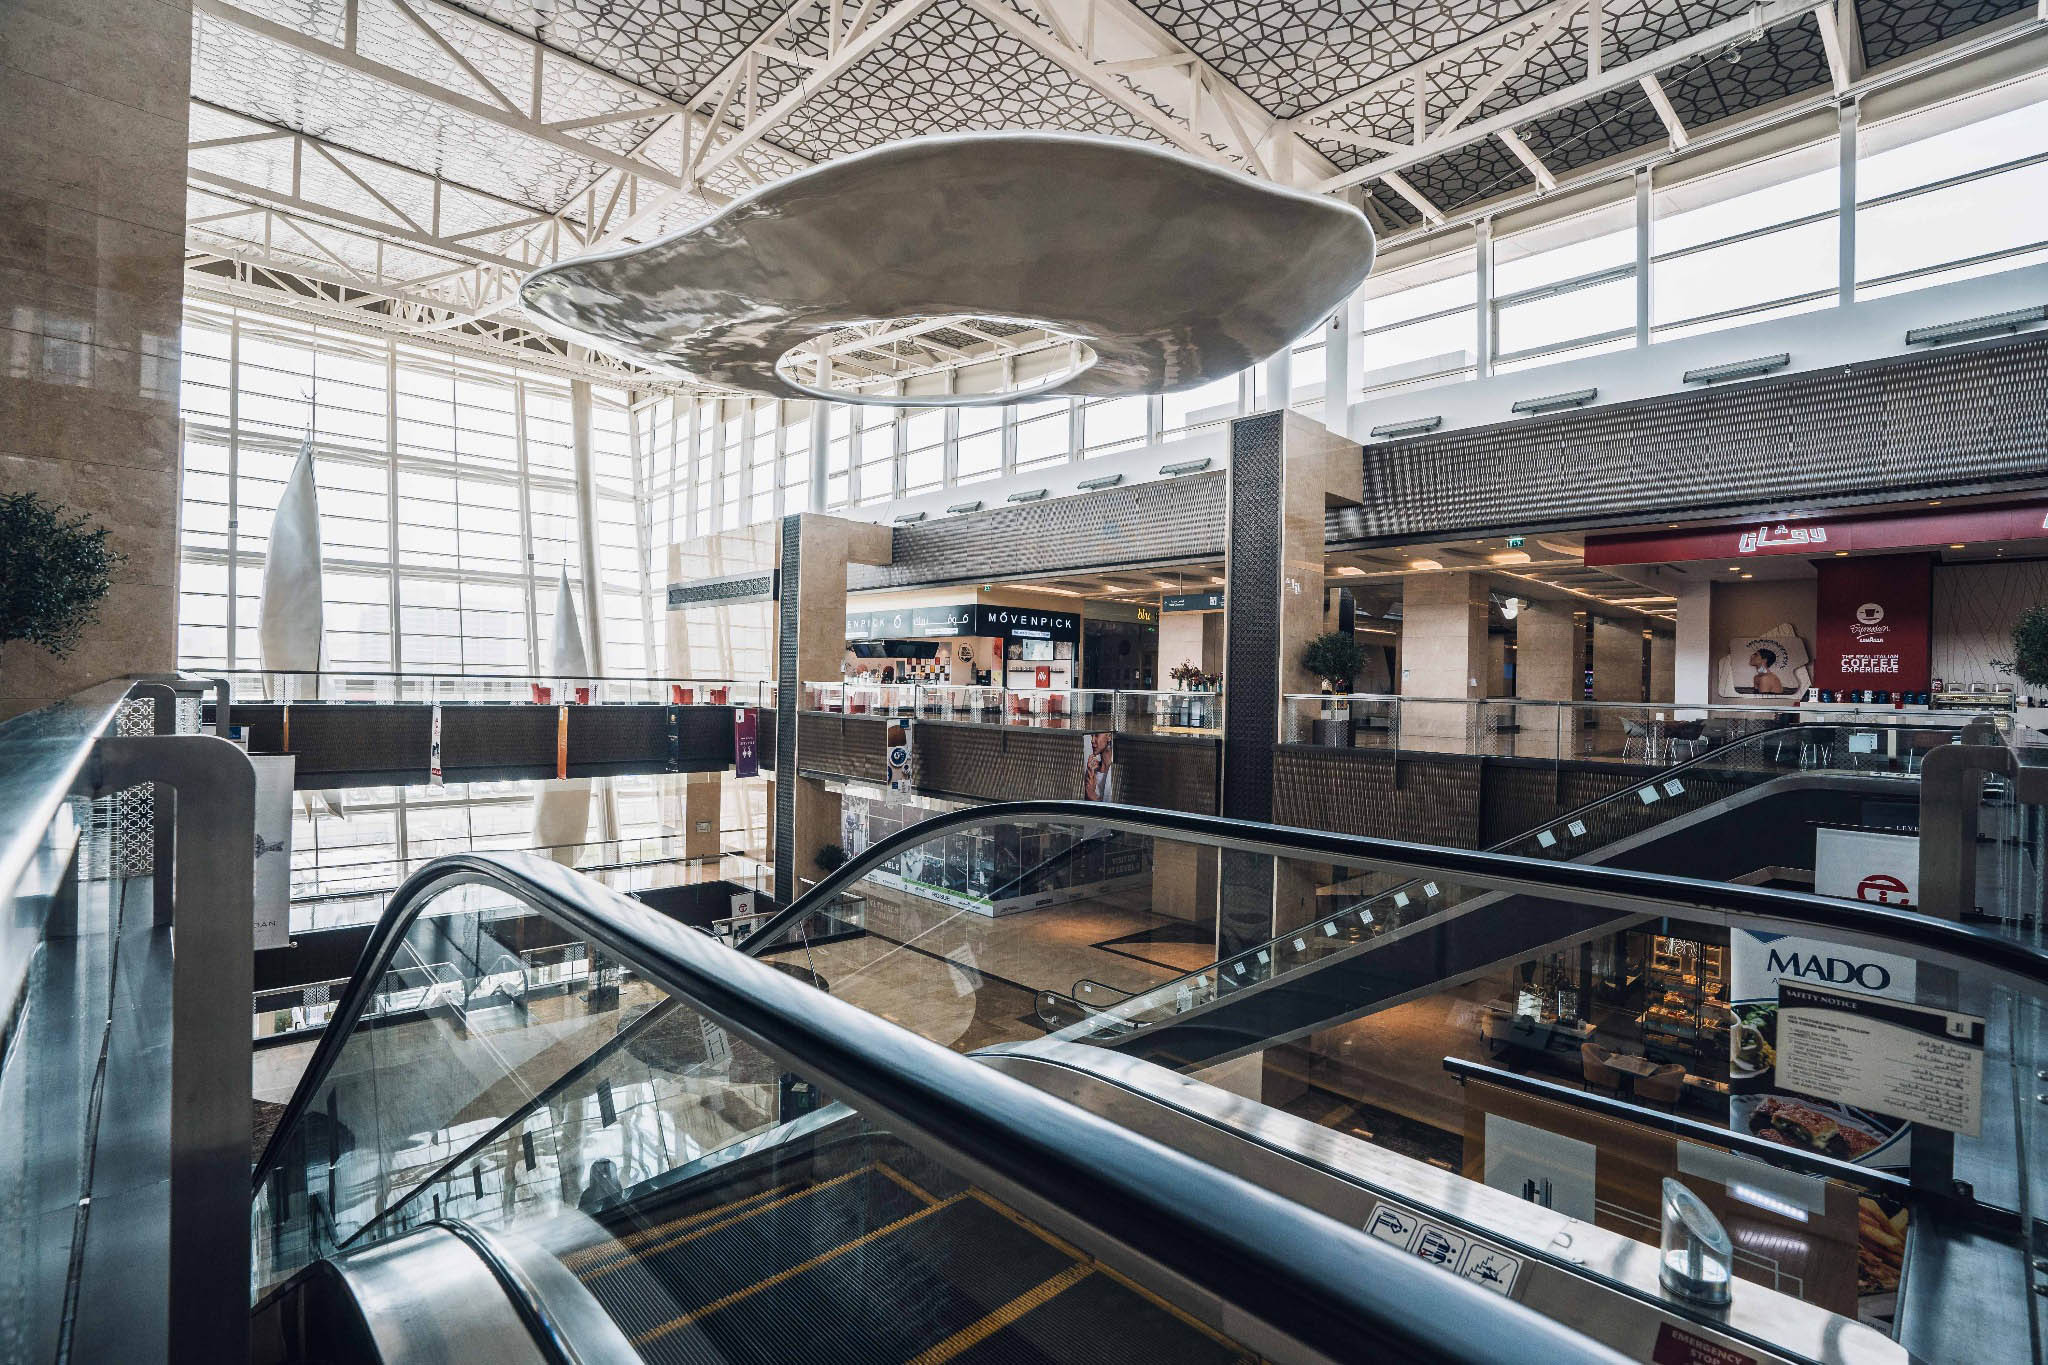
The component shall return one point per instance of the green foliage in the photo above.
(55, 570)
(830, 858)
(1335, 658)
(2029, 661)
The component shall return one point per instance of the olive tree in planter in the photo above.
(2029, 661)
(1336, 659)
(55, 570)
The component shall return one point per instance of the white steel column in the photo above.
(1340, 354)
(821, 454)
(235, 483)
(1482, 261)
(525, 523)
(1279, 375)
(1845, 218)
(586, 523)
(396, 653)
(1643, 207)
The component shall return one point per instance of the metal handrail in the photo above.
(1303, 1276)
(1589, 884)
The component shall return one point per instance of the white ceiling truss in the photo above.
(415, 158)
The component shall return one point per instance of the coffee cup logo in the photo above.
(1870, 613)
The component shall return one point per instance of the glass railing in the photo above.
(727, 1163)
(540, 689)
(1657, 733)
(1565, 1035)
(1127, 712)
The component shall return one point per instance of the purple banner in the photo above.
(746, 757)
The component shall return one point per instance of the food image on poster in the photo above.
(1818, 1126)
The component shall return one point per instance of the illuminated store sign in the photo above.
(965, 618)
(1906, 530)
(1192, 601)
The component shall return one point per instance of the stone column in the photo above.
(1692, 680)
(703, 811)
(1443, 656)
(1285, 472)
(1548, 667)
(810, 645)
(92, 241)
(1617, 662)
(1663, 667)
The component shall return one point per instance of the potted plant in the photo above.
(2029, 661)
(1335, 658)
(829, 858)
(55, 570)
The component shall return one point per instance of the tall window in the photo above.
(1742, 245)
(447, 498)
(1568, 286)
(1421, 319)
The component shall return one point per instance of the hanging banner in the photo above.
(1863, 865)
(1098, 765)
(746, 754)
(433, 747)
(1762, 967)
(1871, 620)
(896, 754)
(274, 780)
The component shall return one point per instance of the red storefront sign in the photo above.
(1871, 617)
(1901, 530)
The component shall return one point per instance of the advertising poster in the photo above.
(1871, 616)
(274, 777)
(746, 757)
(1862, 865)
(896, 755)
(1776, 663)
(1098, 766)
(1771, 980)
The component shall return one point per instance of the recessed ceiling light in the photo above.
(1934, 502)
(1346, 570)
(1841, 554)
(1509, 557)
(1957, 546)
(1749, 575)
(1425, 564)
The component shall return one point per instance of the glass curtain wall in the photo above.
(448, 501)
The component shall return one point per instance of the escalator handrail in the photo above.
(1319, 1282)
(1687, 898)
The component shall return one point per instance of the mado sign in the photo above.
(1761, 961)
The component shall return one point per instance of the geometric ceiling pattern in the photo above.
(403, 163)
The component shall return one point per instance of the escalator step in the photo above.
(631, 1232)
(1097, 1317)
(704, 1264)
(890, 1296)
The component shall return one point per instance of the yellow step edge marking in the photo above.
(694, 1233)
(975, 1333)
(677, 1323)
(620, 1245)
(906, 1182)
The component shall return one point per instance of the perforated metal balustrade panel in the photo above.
(1251, 694)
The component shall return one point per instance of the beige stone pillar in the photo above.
(1443, 655)
(94, 149)
(1617, 661)
(1184, 881)
(1663, 666)
(826, 545)
(1548, 668)
(703, 803)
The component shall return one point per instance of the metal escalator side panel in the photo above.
(426, 1297)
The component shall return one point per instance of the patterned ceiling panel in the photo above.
(950, 70)
(673, 46)
(1468, 175)
(1291, 56)
(1788, 60)
(239, 70)
(1619, 122)
(1893, 30)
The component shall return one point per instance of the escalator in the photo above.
(1743, 813)
(686, 1155)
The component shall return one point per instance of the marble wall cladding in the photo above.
(92, 217)
(1617, 662)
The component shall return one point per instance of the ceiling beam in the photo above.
(1750, 25)
(1674, 127)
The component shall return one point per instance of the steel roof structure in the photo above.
(400, 164)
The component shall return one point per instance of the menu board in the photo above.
(1920, 1064)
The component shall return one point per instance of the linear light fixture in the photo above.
(910, 516)
(1738, 369)
(1184, 467)
(1577, 398)
(957, 508)
(1099, 481)
(1414, 428)
(1033, 495)
(1987, 325)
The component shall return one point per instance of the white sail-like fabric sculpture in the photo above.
(289, 626)
(561, 812)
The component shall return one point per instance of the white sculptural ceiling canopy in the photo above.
(1162, 272)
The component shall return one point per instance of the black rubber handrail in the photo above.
(1648, 893)
(1306, 1277)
